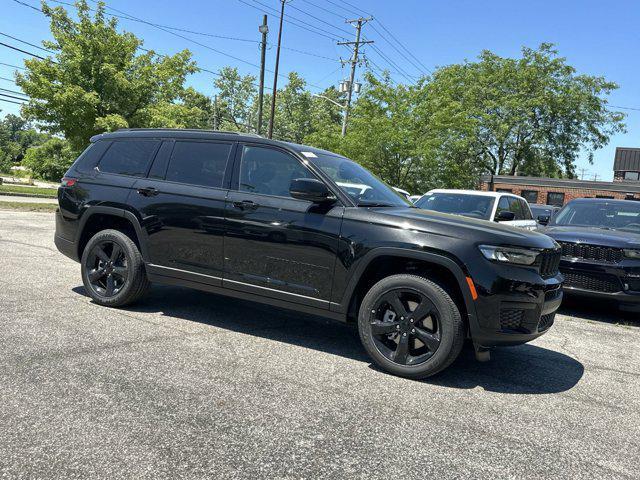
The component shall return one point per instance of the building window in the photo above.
(506, 190)
(530, 196)
(605, 196)
(635, 176)
(555, 198)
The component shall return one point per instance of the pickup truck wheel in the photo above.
(410, 326)
(113, 270)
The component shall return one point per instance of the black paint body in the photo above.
(293, 253)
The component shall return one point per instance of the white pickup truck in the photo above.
(502, 207)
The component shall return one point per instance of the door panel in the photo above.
(184, 223)
(277, 245)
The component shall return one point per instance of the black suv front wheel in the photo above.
(410, 326)
(113, 270)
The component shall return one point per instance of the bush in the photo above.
(50, 160)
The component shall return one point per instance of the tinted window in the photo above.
(610, 215)
(87, 161)
(475, 206)
(129, 157)
(359, 183)
(554, 198)
(199, 163)
(631, 175)
(159, 167)
(530, 196)
(269, 172)
(503, 205)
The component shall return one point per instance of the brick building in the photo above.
(558, 191)
(626, 166)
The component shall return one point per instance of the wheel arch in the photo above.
(385, 261)
(99, 218)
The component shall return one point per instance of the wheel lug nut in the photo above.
(404, 334)
(401, 318)
(373, 311)
(411, 320)
(397, 327)
(413, 330)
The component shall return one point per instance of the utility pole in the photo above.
(582, 172)
(263, 29)
(275, 74)
(215, 112)
(354, 61)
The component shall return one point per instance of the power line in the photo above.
(11, 101)
(405, 48)
(319, 19)
(21, 51)
(626, 108)
(14, 97)
(7, 79)
(25, 42)
(13, 91)
(394, 64)
(408, 59)
(12, 66)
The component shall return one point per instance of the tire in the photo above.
(113, 271)
(438, 323)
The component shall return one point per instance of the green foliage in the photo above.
(236, 109)
(50, 160)
(99, 82)
(531, 115)
(16, 135)
(43, 191)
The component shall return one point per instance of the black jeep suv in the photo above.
(600, 242)
(305, 229)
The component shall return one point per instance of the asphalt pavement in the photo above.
(193, 385)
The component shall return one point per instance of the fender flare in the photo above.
(116, 212)
(437, 258)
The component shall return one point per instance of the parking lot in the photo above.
(192, 385)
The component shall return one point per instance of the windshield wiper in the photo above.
(365, 203)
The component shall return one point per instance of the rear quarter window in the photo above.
(88, 159)
(129, 157)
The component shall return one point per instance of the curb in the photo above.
(29, 195)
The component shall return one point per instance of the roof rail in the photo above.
(225, 132)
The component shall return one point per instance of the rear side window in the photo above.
(129, 157)
(199, 163)
(88, 160)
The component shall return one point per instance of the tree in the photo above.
(98, 81)
(16, 136)
(50, 160)
(236, 99)
(531, 115)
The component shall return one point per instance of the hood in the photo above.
(593, 236)
(458, 227)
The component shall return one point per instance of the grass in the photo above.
(45, 192)
(28, 207)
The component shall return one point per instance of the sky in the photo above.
(597, 38)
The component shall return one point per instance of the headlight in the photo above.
(630, 253)
(517, 256)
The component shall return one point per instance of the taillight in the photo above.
(68, 182)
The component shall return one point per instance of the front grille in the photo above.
(549, 261)
(546, 321)
(511, 319)
(592, 252)
(598, 282)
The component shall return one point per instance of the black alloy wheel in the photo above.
(405, 326)
(107, 269)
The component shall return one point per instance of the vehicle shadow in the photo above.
(597, 310)
(528, 369)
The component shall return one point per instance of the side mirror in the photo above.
(311, 190)
(505, 216)
(544, 219)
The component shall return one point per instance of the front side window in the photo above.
(268, 171)
(474, 206)
(198, 163)
(128, 157)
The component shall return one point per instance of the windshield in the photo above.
(617, 216)
(475, 206)
(362, 186)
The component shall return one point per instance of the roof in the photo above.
(627, 159)
(182, 133)
(472, 192)
(604, 200)
(623, 187)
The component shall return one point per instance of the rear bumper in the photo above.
(67, 247)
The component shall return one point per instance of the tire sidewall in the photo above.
(449, 325)
(125, 244)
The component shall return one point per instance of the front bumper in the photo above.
(515, 305)
(606, 281)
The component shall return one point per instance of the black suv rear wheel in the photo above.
(410, 326)
(113, 270)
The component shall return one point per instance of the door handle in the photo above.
(148, 192)
(246, 205)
